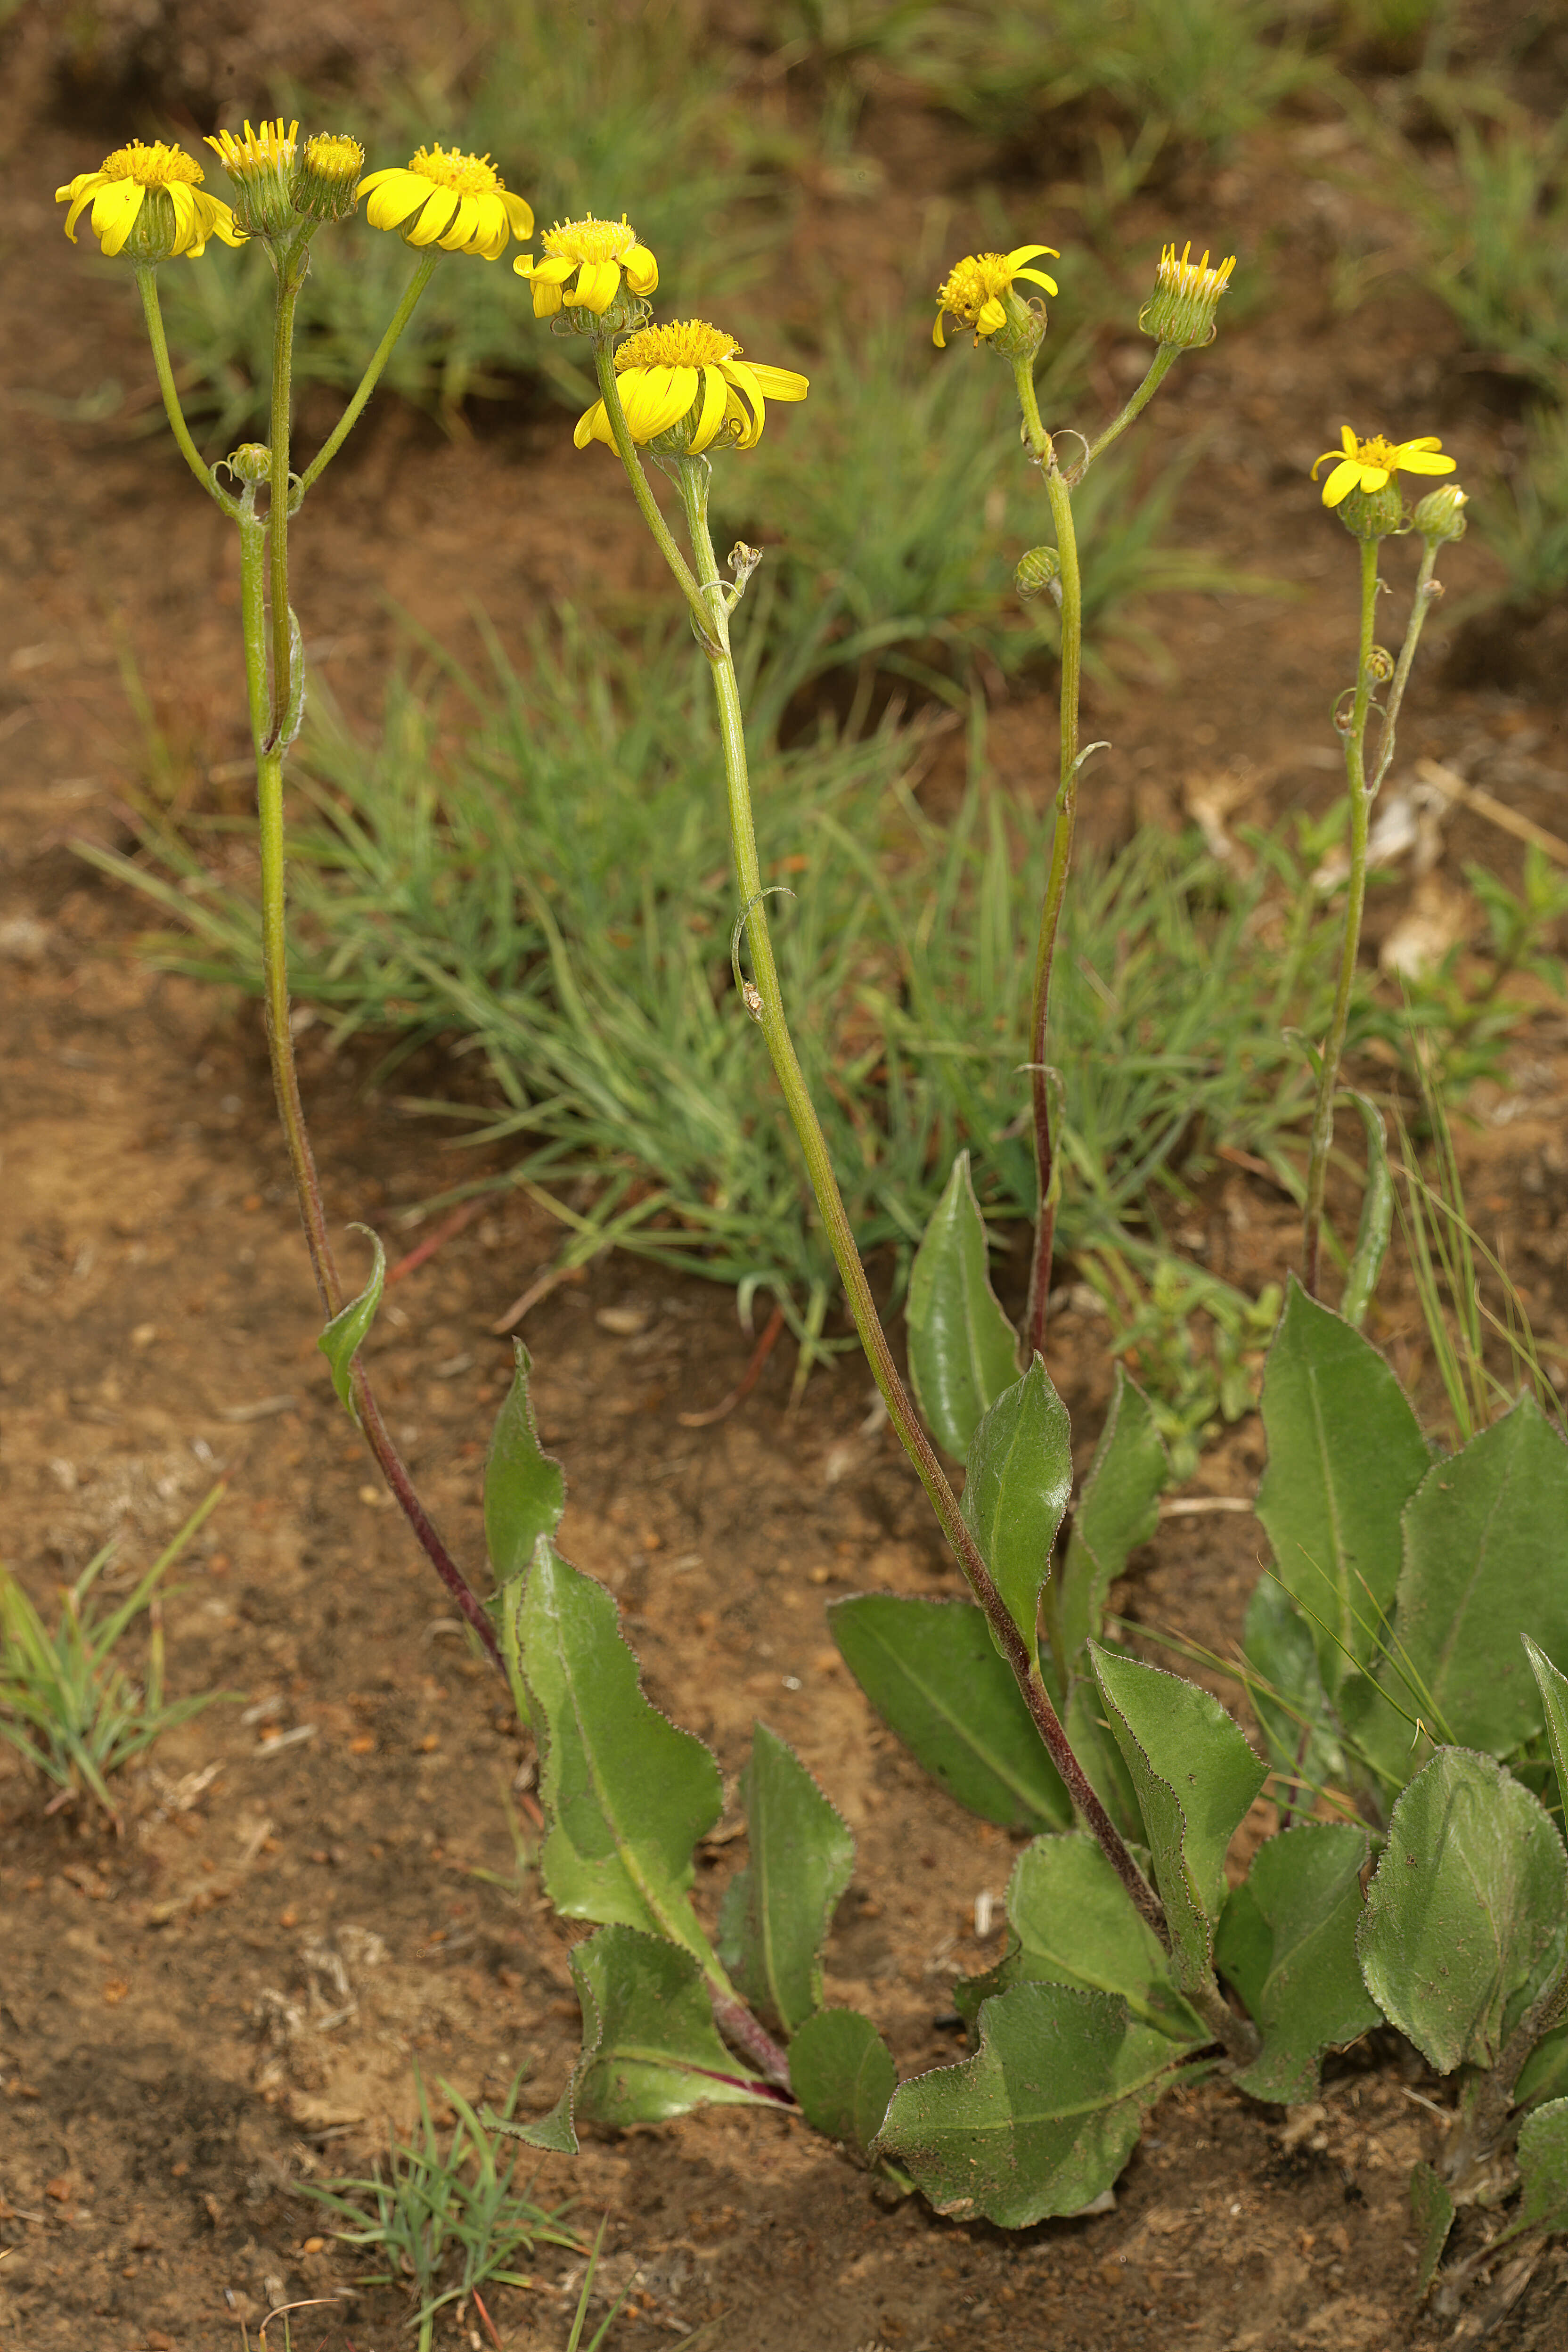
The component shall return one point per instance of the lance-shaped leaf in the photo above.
(1117, 1511)
(1486, 1556)
(842, 2072)
(1543, 2167)
(626, 1795)
(1195, 1777)
(1073, 1923)
(1090, 1738)
(1544, 2074)
(650, 2049)
(1376, 1221)
(1553, 1689)
(1286, 1691)
(1017, 1478)
(525, 1489)
(1287, 1942)
(1432, 2211)
(930, 1670)
(1044, 2115)
(1465, 1913)
(776, 1912)
(963, 1351)
(1345, 1455)
(344, 1335)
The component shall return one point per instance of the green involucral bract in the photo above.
(777, 1911)
(963, 1351)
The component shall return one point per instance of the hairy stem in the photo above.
(292, 263)
(1355, 900)
(372, 376)
(1159, 367)
(642, 490)
(151, 311)
(1427, 591)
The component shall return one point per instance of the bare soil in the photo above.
(227, 1994)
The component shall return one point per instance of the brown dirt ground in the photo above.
(226, 1997)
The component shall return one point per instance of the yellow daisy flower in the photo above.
(595, 254)
(1371, 464)
(448, 199)
(691, 370)
(154, 187)
(972, 290)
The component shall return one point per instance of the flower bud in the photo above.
(251, 462)
(1181, 310)
(1038, 570)
(1441, 514)
(260, 165)
(325, 185)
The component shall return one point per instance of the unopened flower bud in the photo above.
(1181, 310)
(1441, 513)
(326, 187)
(251, 462)
(261, 166)
(1038, 570)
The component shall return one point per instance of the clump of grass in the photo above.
(66, 1704)
(1493, 219)
(1529, 530)
(444, 2220)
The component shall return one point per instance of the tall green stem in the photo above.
(642, 490)
(1159, 366)
(151, 311)
(292, 263)
(372, 376)
(1355, 900)
(766, 1002)
(1044, 454)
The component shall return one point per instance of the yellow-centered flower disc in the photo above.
(117, 190)
(583, 263)
(458, 202)
(1372, 464)
(690, 369)
(972, 290)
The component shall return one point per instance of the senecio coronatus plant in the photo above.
(1401, 1655)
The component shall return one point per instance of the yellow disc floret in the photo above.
(585, 262)
(975, 291)
(147, 197)
(690, 376)
(447, 198)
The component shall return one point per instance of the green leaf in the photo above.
(1044, 2115)
(344, 1335)
(777, 1911)
(963, 1351)
(1287, 1942)
(1553, 1689)
(1486, 1556)
(843, 2075)
(1090, 1738)
(1544, 2074)
(1543, 2167)
(650, 2049)
(1345, 1455)
(1017, 1478)
(1465, 1912)
(1287, 1690)
(930, 1670)
(1376, 1216)
(1195, 1778)
(1117, 1511)
(1432, 2211)
(525, 1489)
(626, 1795)
(1073, 1923)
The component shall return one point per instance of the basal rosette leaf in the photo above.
(842, 2072)
(1287, 1942)
(1117, 1509)
(963, 1351)
(777, 1911)
(1017, 1478)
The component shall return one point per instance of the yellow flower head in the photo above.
(1372, 464)
(455, 201)
(326, 177)
(972, 291)
(1186, 294)
(147, 197)
(693, 373)
(596, 254)
(261, 166)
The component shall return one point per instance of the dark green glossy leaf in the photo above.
(1044, 2115)
(1486, 1559)
(650, 2049)
(1376, 1216)
(1017, 1478)
(1465, 1913)
(930, 1670)
(1117, 1511)
(1432, 2211)
(1287, 1943)
(345, 1334)
(777, 1910)
(1345, 1455)
(525, 1488)
(626, 1795)
(1543, 2167)
(1072, 1923)
(841, 2072)
(1195, 1778)
(963, 1351)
